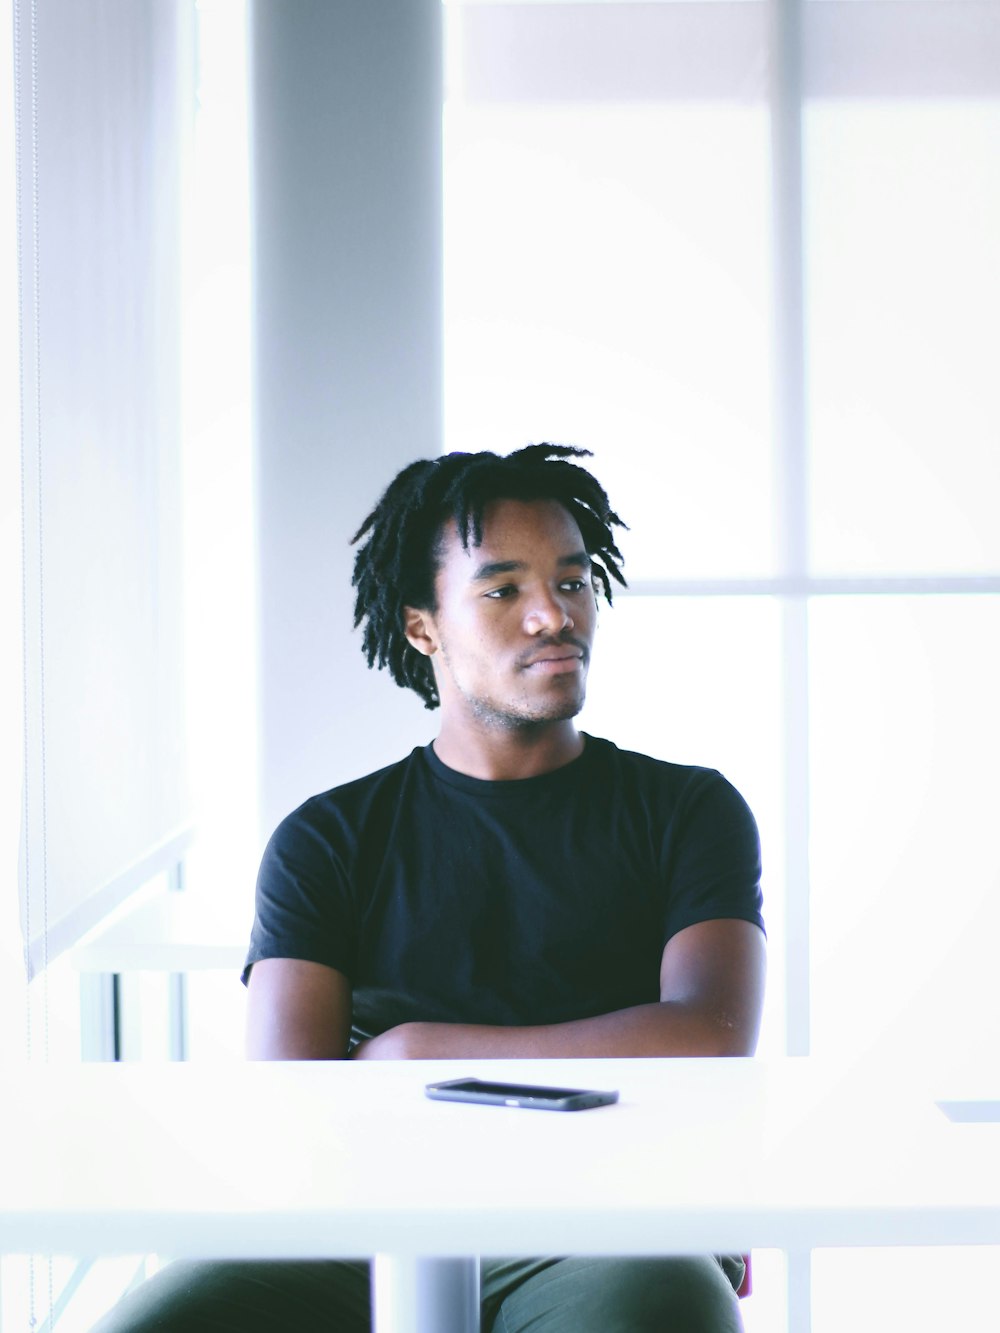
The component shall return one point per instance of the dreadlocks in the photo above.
(396, 566)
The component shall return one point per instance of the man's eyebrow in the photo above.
(579, 559)
(494, 567)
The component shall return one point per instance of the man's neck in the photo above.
(505, 755)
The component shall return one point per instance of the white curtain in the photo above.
(102, 99)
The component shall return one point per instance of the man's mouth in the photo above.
(552, 661)
(555, 666)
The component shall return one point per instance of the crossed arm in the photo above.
(711, 994)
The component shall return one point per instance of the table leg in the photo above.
(425, 1295)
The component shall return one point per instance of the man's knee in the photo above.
(697, 1296)
(246, 1297)
(688, 1294)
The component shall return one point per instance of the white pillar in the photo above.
(346, 272)
(425, 1295)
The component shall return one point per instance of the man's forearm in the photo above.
(645, 1030)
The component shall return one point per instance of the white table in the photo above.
(319, 1160)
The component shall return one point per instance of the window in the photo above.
(754, 269)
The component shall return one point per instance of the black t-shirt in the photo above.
(446, 898)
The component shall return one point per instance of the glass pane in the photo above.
(905, 718)
(606, 285)
(903, 270)
(696, 681)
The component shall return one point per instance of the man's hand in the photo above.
(399, 1043)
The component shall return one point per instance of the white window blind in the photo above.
(101, 98)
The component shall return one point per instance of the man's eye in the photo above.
(574, 585)
(497, 594)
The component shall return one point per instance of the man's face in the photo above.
(511, 637)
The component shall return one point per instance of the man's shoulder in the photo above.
(664, 784)
(354, 801)
(391, 775)
(606, 754)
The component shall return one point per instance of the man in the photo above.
(515, 889)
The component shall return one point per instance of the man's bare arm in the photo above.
(297, 1010)
(711, 995)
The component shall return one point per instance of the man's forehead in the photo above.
(516, 527)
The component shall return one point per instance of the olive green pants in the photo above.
(580, 1295)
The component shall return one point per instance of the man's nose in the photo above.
(548, 614)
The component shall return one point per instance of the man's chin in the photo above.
(530, 716)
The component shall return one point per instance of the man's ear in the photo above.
(418, 626)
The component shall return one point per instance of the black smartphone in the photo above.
(519, 1094)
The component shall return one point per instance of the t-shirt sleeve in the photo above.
(713, 857)
(303, 903)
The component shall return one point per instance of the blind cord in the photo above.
(32, 293)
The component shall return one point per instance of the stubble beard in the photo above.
(509, 718)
